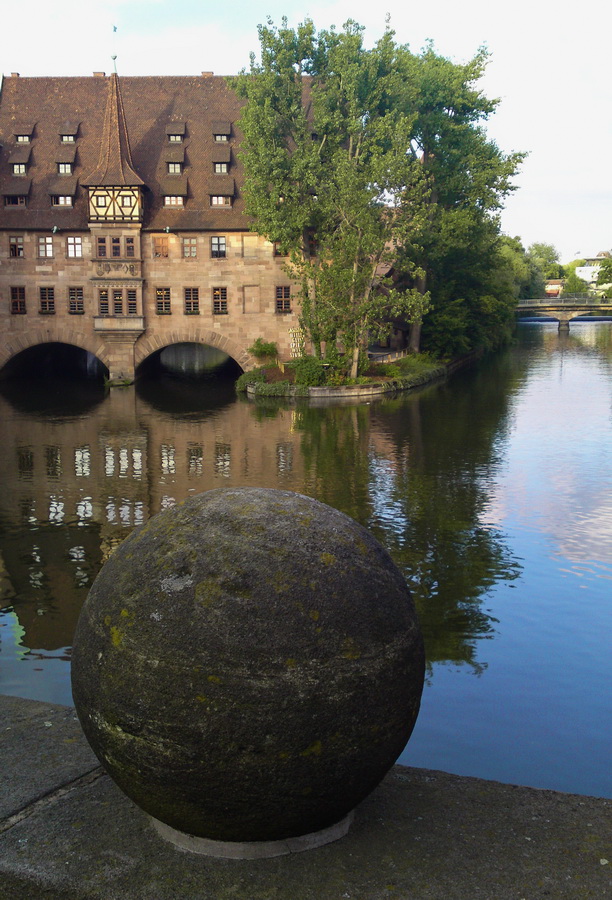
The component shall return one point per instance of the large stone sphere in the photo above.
(248, 665)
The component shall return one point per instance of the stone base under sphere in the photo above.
(248, 665)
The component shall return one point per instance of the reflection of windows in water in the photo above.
(84, 509)
(123, 462)
(56, 510)
(111, 512)
(76, 553)
(125, 512)
(25, 461)
(36, 576)
(82, 462)
(167, 502)
(109, 461)
(168, 465)
(27, 508)
(138, 512)
(284, 458)
(54, 461)
(223, 459)
(194, 460)
(137, 463)
(81, 577)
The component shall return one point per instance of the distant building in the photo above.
(553, 287)
(122, 223)
(590, 270)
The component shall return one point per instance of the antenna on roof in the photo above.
(114, 58)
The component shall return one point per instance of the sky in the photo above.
(549, 67)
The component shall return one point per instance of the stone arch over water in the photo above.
(149, 344)
(17, 343)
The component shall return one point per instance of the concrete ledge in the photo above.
(68, 833)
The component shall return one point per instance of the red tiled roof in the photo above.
(148, 106)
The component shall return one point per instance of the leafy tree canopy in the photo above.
(604, 276)
(359, 161)
(575, 285)
(546, 258)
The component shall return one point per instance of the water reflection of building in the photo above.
(74, 488)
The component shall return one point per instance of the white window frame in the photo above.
(74, 247)
(45, 247)
(220, 200)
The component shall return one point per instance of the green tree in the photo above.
(573, 265)
(604, 276)
(575, 285)
(546, 258)
(327, 173)
(455, 240)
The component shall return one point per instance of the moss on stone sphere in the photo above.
(248, 665)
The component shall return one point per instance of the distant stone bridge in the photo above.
(565, 308)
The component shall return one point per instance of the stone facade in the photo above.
(149, 244)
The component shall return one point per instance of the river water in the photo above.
(492, 491)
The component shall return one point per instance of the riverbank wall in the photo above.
(362, 392)
(68, 833)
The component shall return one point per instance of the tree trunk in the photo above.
(355, 362)
(414, 338)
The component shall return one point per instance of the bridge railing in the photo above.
(566, 300)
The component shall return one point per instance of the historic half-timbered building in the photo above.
(122, 223)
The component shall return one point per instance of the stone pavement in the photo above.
(67, 833)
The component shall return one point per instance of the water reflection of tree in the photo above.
(432, 518)
(334, 444)
(415, 471)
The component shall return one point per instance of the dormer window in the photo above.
(19, 168)
(68, 132)
(175, 132)
(23, 132)
(64, 168)
(175, 168)
(61, 200)
(173, 200)
(221, 168)
(220, 200)
(221, 131)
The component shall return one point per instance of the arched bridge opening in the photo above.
(54, 359)
(187, 377)
(53, 380)
(189, 361)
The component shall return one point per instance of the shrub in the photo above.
(389, 370)
(255, 376)
(309, 371)
(263, 349)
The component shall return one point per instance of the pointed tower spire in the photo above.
(115, 167)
